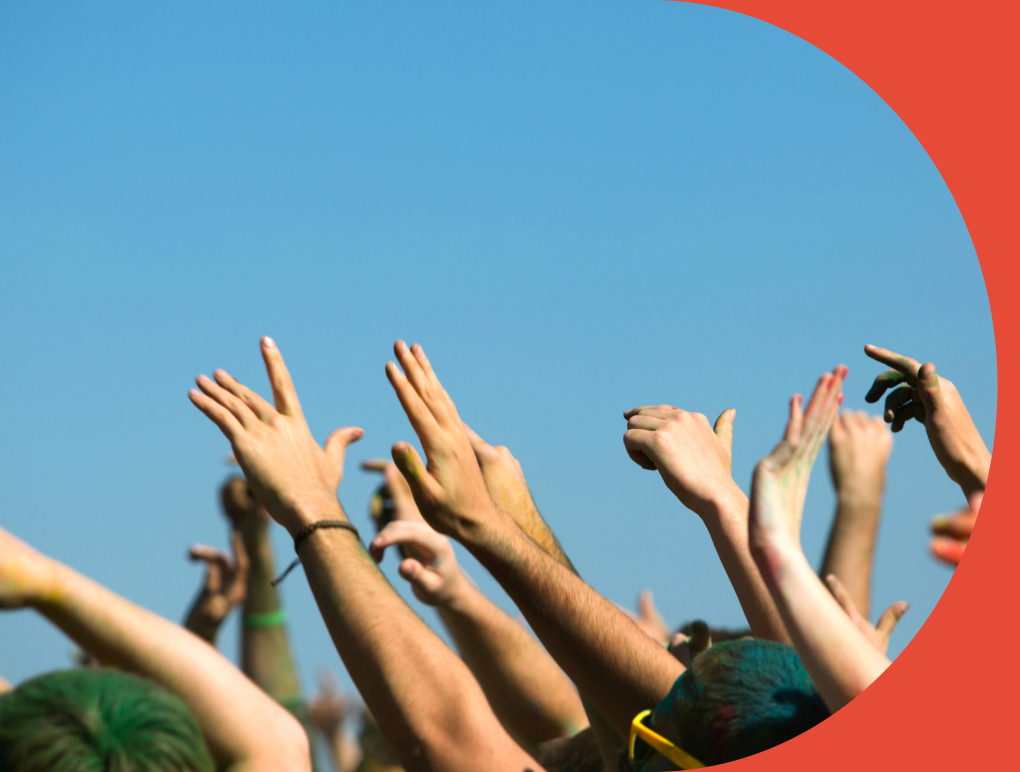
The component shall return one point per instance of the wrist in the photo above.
(728, 507)
(859, 499)
(301, 516)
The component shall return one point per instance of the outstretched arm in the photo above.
(243, 727)
(859, 447)
(693, 458)
(614, 664)
(424, 698)
(527, 690)
(841, 660)
(919, 393)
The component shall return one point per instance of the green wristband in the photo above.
(276, 618)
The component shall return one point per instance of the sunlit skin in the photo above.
(614, 664)
(859, 448)
(423, 697)
(877, 633)
(243, 727)
(840, 658)
(527, 690)
(952, 532)
(223, 587)
(918, 392)
(693, 457)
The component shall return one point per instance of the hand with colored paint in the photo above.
(293, 477)
(450, 491)
(952, 532)
(433, 572)
(692, 457)
(877, 633)
(781, 478)
(919, 393)
(25, 575)
(223, 588)
(840, 657)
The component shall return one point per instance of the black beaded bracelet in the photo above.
(307, 531)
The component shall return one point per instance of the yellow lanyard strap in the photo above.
(681, 758)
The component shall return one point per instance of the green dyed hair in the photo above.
(98, 720)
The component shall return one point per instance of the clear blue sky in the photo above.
(575, 207)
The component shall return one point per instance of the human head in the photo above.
(98, 719)
(579, 753)
(738, 698)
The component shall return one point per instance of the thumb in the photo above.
(891, 617)
(724, 427)
(928, 386)
(422, 485)
(336, 444)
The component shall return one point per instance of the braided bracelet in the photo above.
(307, 531)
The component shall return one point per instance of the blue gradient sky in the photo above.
(575, 207)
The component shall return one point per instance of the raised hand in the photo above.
(433, 572)
(240, 505)
(224, 587)
(859, 448)
(781, 478)
(449, 490)
(328, 709)
(919, 393)
(952, 532)
(290, 473)
(878, 634)
(693, 457)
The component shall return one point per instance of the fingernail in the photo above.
(940, 521)
(841, 398)
(203, 378)
(268, 342)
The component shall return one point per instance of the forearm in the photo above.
(528, 692)
(850, 551)
(265, 646)
(200, 622)
(616, 666)
(839, 658)
(727, 524)
(240, 723)
(422, 695)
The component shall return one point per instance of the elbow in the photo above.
(286, 748)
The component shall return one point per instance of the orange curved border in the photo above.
(950, 71)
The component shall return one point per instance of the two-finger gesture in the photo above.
(293, 477)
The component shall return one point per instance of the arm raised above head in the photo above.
(918, 392)
(614, 664)
(423, 697)
(840, 658)
(243, 727)
(693, 458)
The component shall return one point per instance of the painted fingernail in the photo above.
(268, 342)
(940, 521)
(841, 398)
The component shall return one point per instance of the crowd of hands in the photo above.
(510, 695)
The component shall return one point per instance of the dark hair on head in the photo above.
(738, 698)
(579, 753)
(98, 720)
